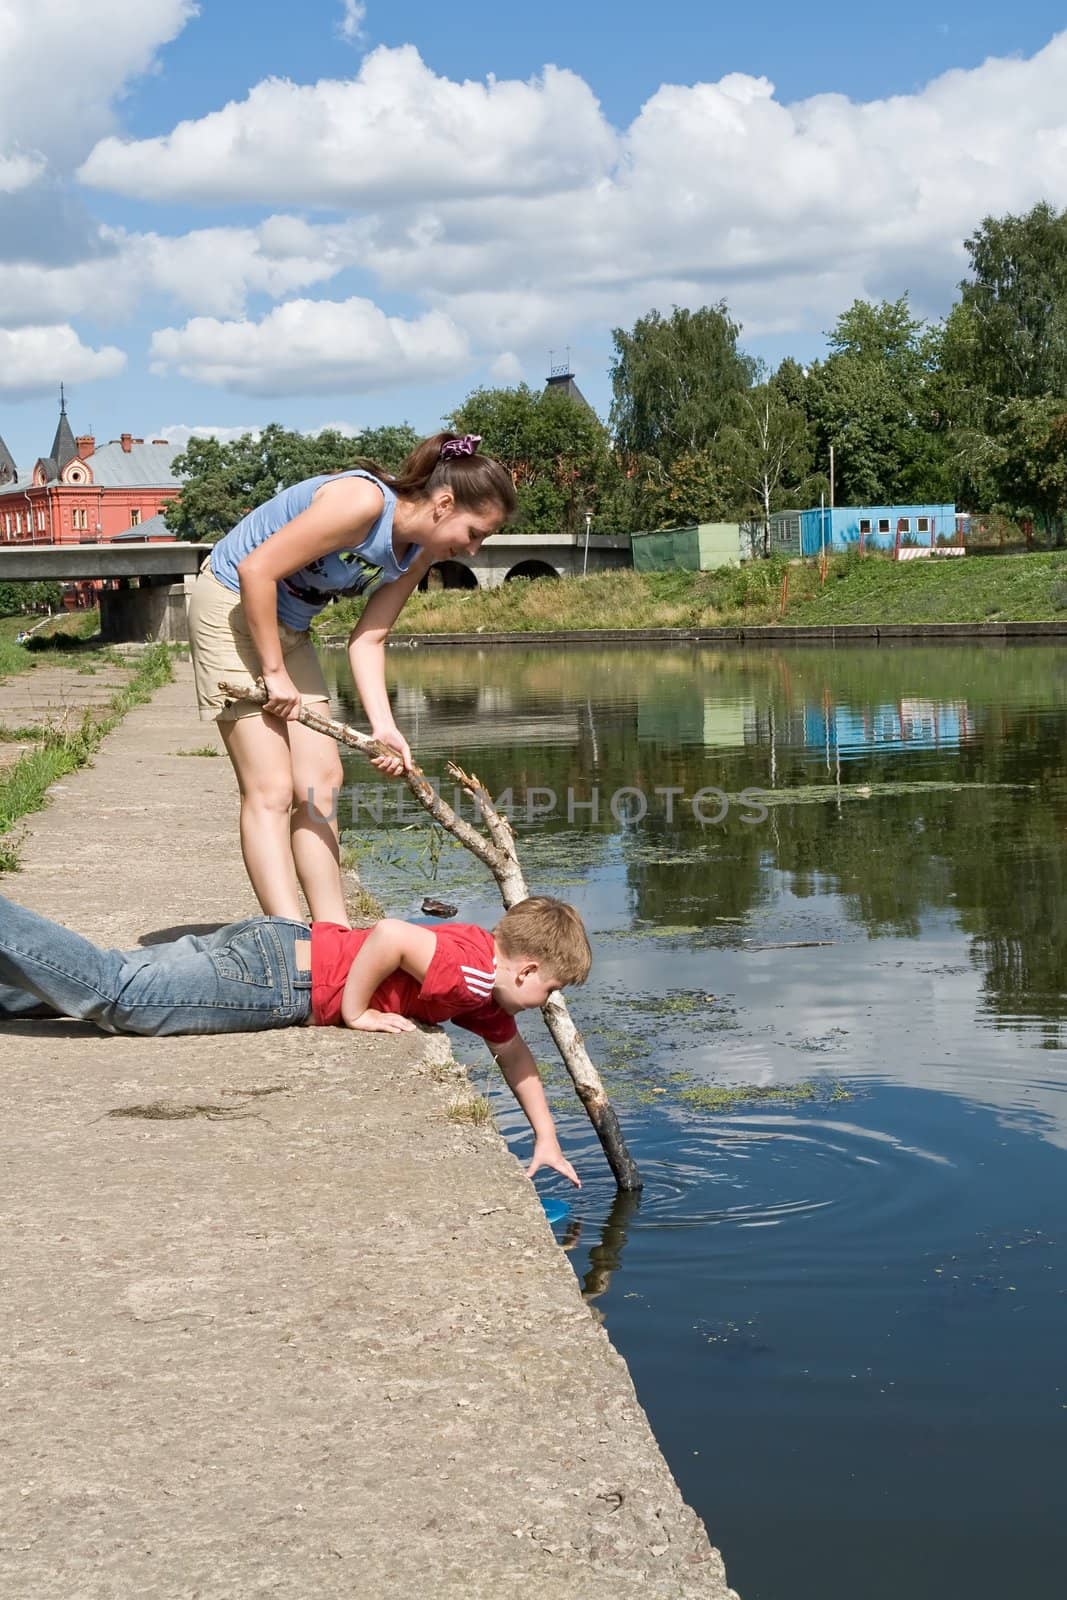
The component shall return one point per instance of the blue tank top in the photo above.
(303, 594)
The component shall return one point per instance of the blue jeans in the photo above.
(249, 975)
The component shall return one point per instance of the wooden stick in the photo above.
(499, 855)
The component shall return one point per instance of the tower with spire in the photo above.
(64, 448)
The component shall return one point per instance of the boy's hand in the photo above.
(547, 1153)
(379, 1022)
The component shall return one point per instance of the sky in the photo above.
(213, 216)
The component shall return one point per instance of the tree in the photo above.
(772, 449)
(675, 380)
(18, 599)
(875, 401)
(1026, 461)
(223, 482)
(1016, 299)
(555, 448)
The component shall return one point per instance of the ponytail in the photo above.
(474, 479)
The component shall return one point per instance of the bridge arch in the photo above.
(531, 570)
(449, 575)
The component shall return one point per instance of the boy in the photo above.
(269, 972)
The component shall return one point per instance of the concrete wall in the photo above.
(157, 611)
(499, 558)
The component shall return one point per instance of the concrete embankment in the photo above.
(782, 633)
(272, 1323)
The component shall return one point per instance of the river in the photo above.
(826, 894)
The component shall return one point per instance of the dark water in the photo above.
(845, 1312)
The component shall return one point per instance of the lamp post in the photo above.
(585, 552)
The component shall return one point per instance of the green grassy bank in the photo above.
(58, 751)
(869, 589)
(64, 631)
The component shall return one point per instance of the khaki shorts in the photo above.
(222, 648)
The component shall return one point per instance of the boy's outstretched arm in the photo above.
(522, 1078)
(390, 945)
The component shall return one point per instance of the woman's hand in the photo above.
(389, 734)
(283, 697)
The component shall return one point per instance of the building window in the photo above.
(135, 517)
(18, 521)
(7, 523)
(79, 518)
(40, 521)
(883, 524)
(904, 526)
(923, 524)
(865, 524)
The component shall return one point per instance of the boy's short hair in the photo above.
(550, 932)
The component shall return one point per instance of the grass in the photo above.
(360, 903)
(25, 786)
(200, 750)
(867, 589)
(472, 1109)
(1022, 588)
(67, 631)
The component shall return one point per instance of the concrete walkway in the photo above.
(299, 1335)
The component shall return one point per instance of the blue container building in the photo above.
(808, 533)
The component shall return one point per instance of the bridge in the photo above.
(149, 602)
(152, 577)
(542, 555)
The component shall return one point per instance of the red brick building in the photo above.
(83, 492)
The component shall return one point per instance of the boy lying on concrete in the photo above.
(269, 972)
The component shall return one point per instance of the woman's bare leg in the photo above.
(258, 748)
(317, 779)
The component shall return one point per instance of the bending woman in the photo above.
(346, 533)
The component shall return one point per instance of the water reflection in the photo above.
(844, 1316)
(950, 759)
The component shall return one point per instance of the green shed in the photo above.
(695, 549)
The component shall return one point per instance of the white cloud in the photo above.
(63, 64)
(210, 270)
(35, 360)
(348, 430)
(512, 215)
(19, 171)
(312, 346)
(506, 368)
(353, 16)
(521, 213)
(396, 131)
(179, 433)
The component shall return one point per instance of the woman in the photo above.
(364, 531)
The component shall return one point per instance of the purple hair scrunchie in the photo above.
(460, 447)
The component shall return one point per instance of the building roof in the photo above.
(153, 528)
(8, 469)
(19, 484)
(143, 466)
(63, 447)
(564, 383)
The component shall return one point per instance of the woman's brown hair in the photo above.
(475, 480)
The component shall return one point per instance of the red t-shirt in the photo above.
(458, 986)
